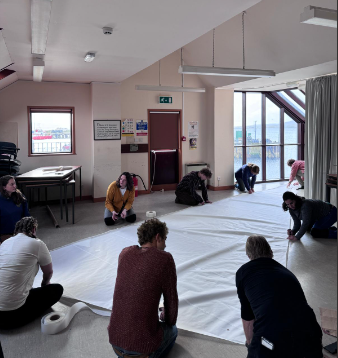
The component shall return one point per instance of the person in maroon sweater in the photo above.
(144, 273)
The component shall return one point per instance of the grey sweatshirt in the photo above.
(310, 211)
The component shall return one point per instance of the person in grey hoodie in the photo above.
(308, 214)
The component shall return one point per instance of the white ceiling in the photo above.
(275, 40)
(144, 32)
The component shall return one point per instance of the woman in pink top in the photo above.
(297, 171)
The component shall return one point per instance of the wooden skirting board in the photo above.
(219, 188)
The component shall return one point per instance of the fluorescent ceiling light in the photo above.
(38, 67)
(168, 88)
(90, 56)
(40, 17)
(319, 16)
(220, 71)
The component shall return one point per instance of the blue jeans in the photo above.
(169, 338)
(326, 222)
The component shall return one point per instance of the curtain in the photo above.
(320, 135)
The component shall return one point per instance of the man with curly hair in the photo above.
(119, 200)
(144, 273)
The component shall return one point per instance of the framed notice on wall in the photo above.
(107, 129)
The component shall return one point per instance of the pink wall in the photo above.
(13, 108)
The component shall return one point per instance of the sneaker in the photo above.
(301, 187)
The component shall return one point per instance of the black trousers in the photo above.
(184, 197)
(302, 343)
(38, 301)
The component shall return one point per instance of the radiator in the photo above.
(194, 167)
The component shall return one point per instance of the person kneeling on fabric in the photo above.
(186, 189)
(119, 200)
(144, 273)
(246, 177)
(20, 259)
(308, 214)
(277, 320)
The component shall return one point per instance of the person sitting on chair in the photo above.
(13, 206)
(297, 171)
(308, 214)
(119, 200)
(186, 189)
(277, 320)
(246, 177)
(144, 273)
(21, 256)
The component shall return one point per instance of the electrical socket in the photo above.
(218, 178)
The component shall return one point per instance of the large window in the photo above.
(273, 123)
(51, 131)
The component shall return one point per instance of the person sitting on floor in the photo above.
(308, 214)
(186, 189)
(144, 273)
(13, 206)
(246, 177)
(120, 199)
(20, 259)
(297, 171)
(277, 320)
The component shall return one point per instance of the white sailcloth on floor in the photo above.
(208, 245)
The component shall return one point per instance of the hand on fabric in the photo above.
(124, 214)
(292, 238)
(162, 315)
(289, 232)
(208, 202)
(250, 191)
(289, 183)
(296, 183)
(115, 215)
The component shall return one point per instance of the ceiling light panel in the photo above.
(40, 18)
(168, 89)
(38, 68)
(221, 71)
(319, 16)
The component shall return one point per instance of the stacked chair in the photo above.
(9, 165)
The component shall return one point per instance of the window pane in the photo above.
(238, 112)
(51, 132)
(238, 158)
(272, 123)
(290, 152)
(290, 130)
(294, 104)
(272, 162)
(299, 94)
(253, 118)
(254, 155)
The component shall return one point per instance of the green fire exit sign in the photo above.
(166, 99)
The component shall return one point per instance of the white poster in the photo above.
(127, 127)
(193, 129)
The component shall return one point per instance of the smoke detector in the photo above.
(107, 30)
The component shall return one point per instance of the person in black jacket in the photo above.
(308, 214)
(186, 189)
(277, 320)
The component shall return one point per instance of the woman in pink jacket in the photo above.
(297, 171)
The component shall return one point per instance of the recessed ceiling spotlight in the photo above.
(89, 57)
(107, 30)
